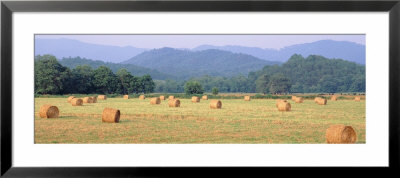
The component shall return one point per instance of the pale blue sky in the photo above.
(191, 41)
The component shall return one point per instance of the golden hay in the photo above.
(316, 99)
(70, 98)
(87, 100)
(94, 99)
(174, 103)
(76, 102)
(195, 99)
(299, 99)
(293, 98)
(155, 100)
(215, 104)
(171, 97)
(126, 97)
(322, 101)
(48, 111)
(102, 97)
(340, 134)
(142, 97)
(278, 101)
(205, 97)
(357, 98)
(110, 115)
(247, 98)
(284, 106)
(162, 97)
(333, 98)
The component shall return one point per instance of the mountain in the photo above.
(133, 69)
(328, 48)
(67, 47)
(186, 64)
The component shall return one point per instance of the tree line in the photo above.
(53, 78)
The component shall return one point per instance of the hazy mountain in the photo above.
(133, 69)
(67, 47)
(186, 63)
(331, 49)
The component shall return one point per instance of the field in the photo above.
(239, 121)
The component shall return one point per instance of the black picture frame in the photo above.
(8, 7)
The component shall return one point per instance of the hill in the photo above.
(186, 64)
(331, 49)
(67, 48)
(133, 69)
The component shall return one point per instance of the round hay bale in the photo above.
(87, 100)
(357, 98)
(279, 100)
(171, 97)
(334, 98)
(142, 97)
(299, 99)
(49, 111)
(155, 100)
(162, 97)
(110, 115)
(126, 97)
(174, 103)
(205, 97)
(70, 98)
(293, 98)
(316, 99)
(94, 99)
(195, 99)
(322, 101)
(102, 97)
(247, 98)
(341, 134)
(76, 102)
(284, 106)
(215, 104)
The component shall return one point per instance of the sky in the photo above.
(192, 41)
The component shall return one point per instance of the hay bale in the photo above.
(299, 100)
(162, 97)
(278, 101)
(316, 99)
(284, 106)
(340, 134)
(49, 111)
(357, 98)
(171, 97)
(334, 98)
(215, 104)
(205, 97)
(195, 99)
(322, 101)
(102, 97)
(155, 100)
(70, 98)
(94, 99)
(110, 115)
(174, 103)
(293, 98)
(126, 97)
(142, 97)
(247, 98)
(76, 102)
(87, 100)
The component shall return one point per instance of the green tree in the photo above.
(50, 76)
(82, 80)
(262, 84)
(147, 84)
(215, 91)
(193, 87)
(104, 80)
(125, 79)
(279, 84)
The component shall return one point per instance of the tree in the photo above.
(279, 84)
(82, 80)
(125, 79)
(262, 84)
(215, 91)
(147, 84)
(104, 80)
(50, 76)
(193, 87)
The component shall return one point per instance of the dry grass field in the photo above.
(239, 121)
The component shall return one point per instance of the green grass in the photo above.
(239, 121)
